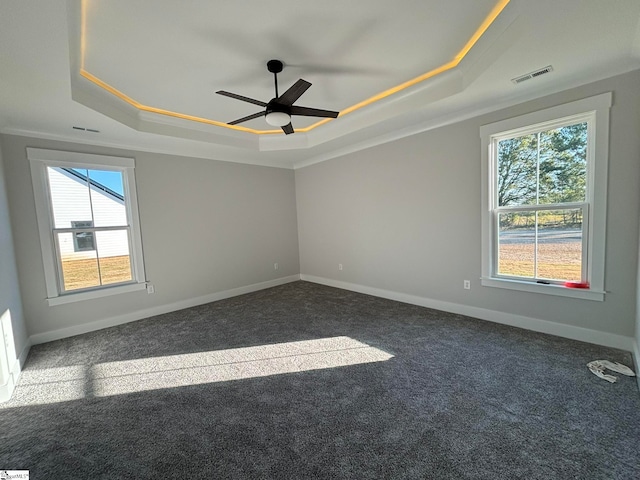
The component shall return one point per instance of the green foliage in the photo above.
(548, 167)
(563, 164)
(517, 158)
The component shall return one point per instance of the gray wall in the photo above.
(207, 226)
(9, 290)
(405, 217)
(637, 332)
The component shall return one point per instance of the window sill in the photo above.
(92, 294)
(558, 290)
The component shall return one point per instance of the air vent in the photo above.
(83, 129)
(529, 76)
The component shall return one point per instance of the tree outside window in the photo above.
(544, 200)
(541, 194)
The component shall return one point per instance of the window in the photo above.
(83, 240)
(88, 221)
(544, 195)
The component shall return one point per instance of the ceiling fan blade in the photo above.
(240, 97)
(313, 112)
(288, 129)
(247, 118)
(295, 92)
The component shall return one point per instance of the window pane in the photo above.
(107, 198)
(115, 261)
(79, 269)
(516, 244)
(69, 196)
(517, 170)
(563, 164)
(560, 244)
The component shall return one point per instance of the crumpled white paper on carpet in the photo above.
(598, 367)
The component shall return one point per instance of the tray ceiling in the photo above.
(144, 73)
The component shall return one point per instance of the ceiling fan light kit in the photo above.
(277, 119)
(279, 110)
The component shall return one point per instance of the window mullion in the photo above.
(535, 247)
(93, 222)
(535, 230)
(496, 242)
(538, 169)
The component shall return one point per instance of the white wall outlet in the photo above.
(339, 266)
(150, 288)
(275, 266)
(467, 285)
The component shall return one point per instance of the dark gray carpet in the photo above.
(460, 399)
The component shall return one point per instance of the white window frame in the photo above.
(594, 110)
(40, 159)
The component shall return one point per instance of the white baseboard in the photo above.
(636, 358)
(6, 390)
(159, 310)
(528, 323)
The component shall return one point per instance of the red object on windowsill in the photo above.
(576, 284)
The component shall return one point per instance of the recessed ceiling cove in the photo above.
(156, 66)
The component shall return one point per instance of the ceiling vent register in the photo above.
(531, 75)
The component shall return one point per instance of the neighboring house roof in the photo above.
(95, 184)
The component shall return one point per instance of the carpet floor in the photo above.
(306, 381)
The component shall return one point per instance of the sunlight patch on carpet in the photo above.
(172, 371)
(50, 385)
(130, 376)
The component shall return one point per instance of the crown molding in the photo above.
(184, 149)
(486, 107)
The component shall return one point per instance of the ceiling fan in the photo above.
(278, 110)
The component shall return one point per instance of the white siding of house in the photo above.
(71, 203)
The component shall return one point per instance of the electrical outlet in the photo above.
(467, 285)
(150, 289)
(275, 266)
(339, 266)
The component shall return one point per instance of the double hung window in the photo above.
(544, 200)
(88, 221)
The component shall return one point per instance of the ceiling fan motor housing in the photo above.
(274, 106)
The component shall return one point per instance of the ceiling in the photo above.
(144, 73)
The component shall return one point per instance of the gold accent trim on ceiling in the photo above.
(497, 9)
